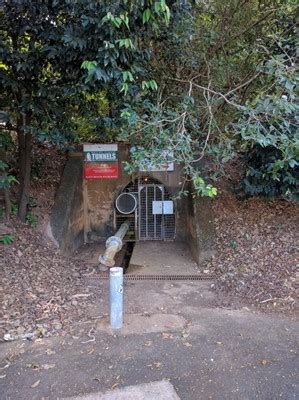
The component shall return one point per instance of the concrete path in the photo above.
(175, 332)
(148, 391)
(162, 258)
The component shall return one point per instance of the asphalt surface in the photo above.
(208, 352)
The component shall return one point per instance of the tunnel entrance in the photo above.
(93, 209)
(146, 203)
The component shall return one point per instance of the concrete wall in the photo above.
(200, 227)
(101, 194)
(66, 221)
(194, 218)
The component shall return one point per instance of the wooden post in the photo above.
(85, 209)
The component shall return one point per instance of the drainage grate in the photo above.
(131, 277)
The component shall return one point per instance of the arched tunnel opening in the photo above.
(147, 205)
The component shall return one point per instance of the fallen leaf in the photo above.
(187, 344)
(48, 366)
(76, 296)
(35, 384)
(148, 343)
(146, 314)
(33, 366)
(5, 366)
(265, 362)
(50, 351)
(167, 336)
(2, 376)
(114, 386)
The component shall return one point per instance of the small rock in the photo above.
(41, 330)
(57, 326)
(20, 330)
(16, 323)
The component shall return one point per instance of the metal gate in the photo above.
(154, 223)
(150, 224)
(154, 216)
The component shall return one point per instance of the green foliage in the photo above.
(202, 188)
(89, 117)
(269, 130)
(38, 166)
(53, 55)
(6, 180)
(14, 208)
(221, 94)
(233, 244)
(267, 174)
(203, 84)
(7, 239)
(31, 219)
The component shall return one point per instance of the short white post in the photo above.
(116, 297)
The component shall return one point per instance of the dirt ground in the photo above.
(204, 350)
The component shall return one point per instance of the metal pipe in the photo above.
(116, 297)
(113, 245)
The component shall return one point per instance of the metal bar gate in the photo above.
(150, 224)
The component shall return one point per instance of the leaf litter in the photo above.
(257, 251)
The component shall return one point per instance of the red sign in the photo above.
(101, 171)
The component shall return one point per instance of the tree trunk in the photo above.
(21, 149)
(3, 176)
(24, 138)
(7, 204)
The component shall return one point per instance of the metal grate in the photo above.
(150, 225)
(145, 225)
(154, 226)
(132, 277)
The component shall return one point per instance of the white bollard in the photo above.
(116, 297)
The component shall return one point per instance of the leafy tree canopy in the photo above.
(65, 61)
(195, 80)
(227, 79)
